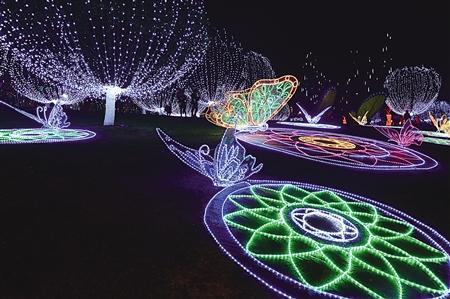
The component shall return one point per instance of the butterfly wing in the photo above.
(307, 116)
(317, 118)
(268, 96)
(198, 160)
(231, 162)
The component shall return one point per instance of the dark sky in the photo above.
(285, 30)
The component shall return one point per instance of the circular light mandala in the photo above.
(16, 136)
(339, 149)
(292, 236)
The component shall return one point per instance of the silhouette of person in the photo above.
(406, 116)
(182, 101)
(168, 109)
(195, 98)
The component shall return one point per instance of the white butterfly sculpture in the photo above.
(57, 119)
(229, 165)
(315, 119)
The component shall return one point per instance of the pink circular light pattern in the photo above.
(366, 153)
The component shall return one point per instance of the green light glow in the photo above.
(388, 259)
(13, 136)
(253, 107)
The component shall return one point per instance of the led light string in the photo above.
(412, 89)
(25, 136)
(131, 49)
(368, 154)
(356, 207)
(251, 109)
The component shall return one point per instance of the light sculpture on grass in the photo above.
(36, 89)
(295, 237)
(24, 136)
(406, 136)
(256, 67)
(109, 48)
(220, 71)
(412, 89)
(250, 109)
(339, 149)
(229, 165)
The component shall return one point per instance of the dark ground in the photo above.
(120, 217)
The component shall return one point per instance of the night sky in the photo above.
(286, 30)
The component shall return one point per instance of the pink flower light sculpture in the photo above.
(407, 135)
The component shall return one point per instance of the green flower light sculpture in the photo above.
(334, 244)
(42, 135)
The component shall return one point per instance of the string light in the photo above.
(337, 149)
(258, 230)
(407, 135)
(250, 109)
(221, 70)
(438, 108)
(315, 119)
(106, 48)
(256, 67)
(442, 124)
(308, 125)
(412, 89)
(228, 166)
(24, 136)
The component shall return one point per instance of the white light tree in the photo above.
(221, 69)
(109, 48)
(412, 89)
(256, 67)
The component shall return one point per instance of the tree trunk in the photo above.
(144, 112)
(110, 108)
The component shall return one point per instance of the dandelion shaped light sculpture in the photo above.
(109, 48)
(220, 71)
(250, 109)
(229, 165)
(408, 134)
(256, 67)
(158, 102)
(295, 237)
(412, 89)
(339, 149)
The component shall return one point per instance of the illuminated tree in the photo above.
(256, 67)
(109, 48)
(412, 89)
(221, 70)
(45, 92)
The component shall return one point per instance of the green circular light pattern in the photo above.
(389, 259)
(17, 136)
